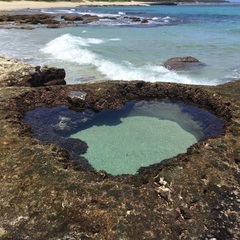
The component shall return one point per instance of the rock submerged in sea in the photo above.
(183, 63)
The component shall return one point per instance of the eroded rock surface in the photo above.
(183, 63)
(46, 195)
(30, 21)
(17, 73)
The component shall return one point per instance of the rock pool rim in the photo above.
(58, 125)
(112, 94)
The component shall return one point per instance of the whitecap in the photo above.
(94, 40)
(54, 11)
(68, 48)
(121, 13)
(97, 14)
(115, 39)
(167, 17)
(233, 73)
(46, 11)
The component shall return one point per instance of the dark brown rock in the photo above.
(144, 20)
(53, 26)
(183, 63)
(17, 73)
(87, 18)
(135, 19)
(72, 18)
(27, 18)
(23, 21)
(27, 27)
(47, 76)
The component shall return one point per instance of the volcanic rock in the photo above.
(17, 73)
(27, 21)
(72, 18)
(135, 19)
(87, 18)
(183, 63)
(144, 20)
(28, 18)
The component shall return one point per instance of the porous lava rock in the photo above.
(72, 18)
(31, 21)
(46, 195)
(28, 18)
(17, 73)
(183, 63)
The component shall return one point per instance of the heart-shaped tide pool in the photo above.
(122, 141)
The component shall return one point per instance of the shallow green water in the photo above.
(138, 135)
(138, 141)
(122, 141)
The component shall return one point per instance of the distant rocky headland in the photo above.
(45, 194)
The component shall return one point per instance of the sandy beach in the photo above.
(14, 5)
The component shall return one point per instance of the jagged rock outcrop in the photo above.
(17, 73)
(28, 18)
(31, 21)
(183, 63)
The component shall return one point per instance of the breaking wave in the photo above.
(78, 50)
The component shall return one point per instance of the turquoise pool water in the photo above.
(149, 133)
(122, 141)
(138, 141)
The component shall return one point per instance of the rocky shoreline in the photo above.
(46, 195)
(29, 21)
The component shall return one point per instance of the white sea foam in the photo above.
(121, 13)
(115, 39)
(48, 11)
(167, 19)
(94, 41)
(68, 48)
(97, 14)
(78, 50)
(233, 73)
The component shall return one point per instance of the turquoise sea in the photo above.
(126, 50)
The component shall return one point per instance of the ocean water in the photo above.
(126, 50)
